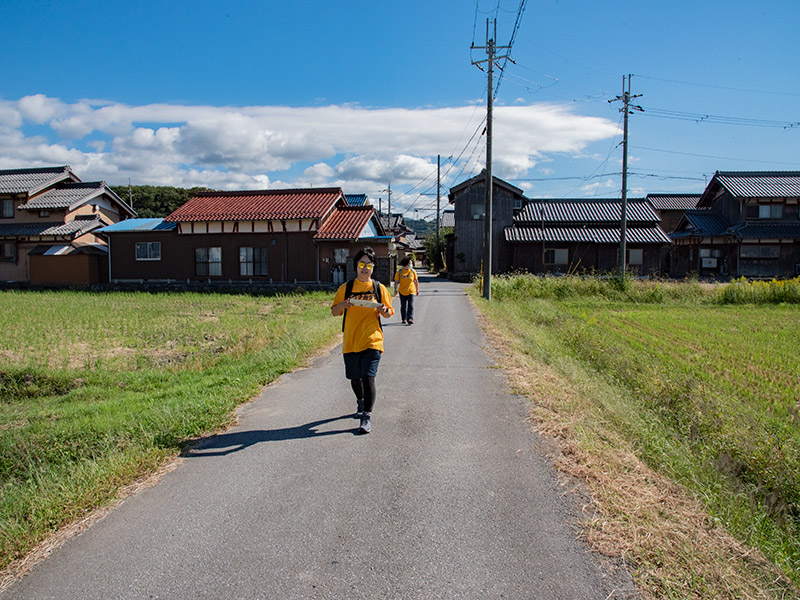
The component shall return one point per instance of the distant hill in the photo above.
(421, 227)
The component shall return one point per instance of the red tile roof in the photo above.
(345, 223)
(258, 205)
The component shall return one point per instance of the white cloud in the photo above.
(360, 149)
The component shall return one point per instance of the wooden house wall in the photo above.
(468, 239)
(601, 258)
(75, 269)
(290, 256)
(383, 272)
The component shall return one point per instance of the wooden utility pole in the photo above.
(490, 48)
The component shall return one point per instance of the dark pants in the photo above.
(361, 368)
(407, 307)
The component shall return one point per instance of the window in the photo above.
(477, 211)
(764, 211)
(8, 209)
(43, 214)
(148, 250)
(636, 257)
(6, 250)
(208, 262)
(556, 256)
(340, 255)
(253, 262)
(754, 251)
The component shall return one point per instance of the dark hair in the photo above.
(405, 261)
(368, 252)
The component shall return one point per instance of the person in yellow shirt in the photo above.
(362, 344)
(406, 283)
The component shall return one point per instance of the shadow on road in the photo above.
(228, 443)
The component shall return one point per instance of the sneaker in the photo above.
(366, 423)
(411, 321)
(404, 321)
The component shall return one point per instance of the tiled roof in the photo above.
(139, 225)
(703, 223)
(17, 181)
(768, 230)
(64, 195)
(595, 235)
(480, 179)
(76, 227)
(345, 223)
(73, 228)
(356, 199)
(583, 210)
(760, 184)
(67, 249)
(25, 229)
(673, 201)
(258, 205)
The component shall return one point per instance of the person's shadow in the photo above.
(228, 443)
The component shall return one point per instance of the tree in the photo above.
(152, 201)
(435, 249)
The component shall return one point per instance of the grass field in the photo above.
(698, 383)
(98, 389)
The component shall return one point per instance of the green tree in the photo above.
(435, 249)
(153, 201)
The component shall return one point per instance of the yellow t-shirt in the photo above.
(407, 278)
(362, 329)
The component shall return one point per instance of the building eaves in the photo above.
(760, 184)
(583, 210)
(673, 201)
(345, 223)
(767, 231)
(258, 205)
(33, 180)
(480, 179)
(139, 225)
(589, 235)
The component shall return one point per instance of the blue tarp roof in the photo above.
(139, 225)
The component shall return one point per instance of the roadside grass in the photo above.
(99, 389)
(679, 411)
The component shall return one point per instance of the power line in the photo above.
(720, 87)
(774, 162)
(707, 118)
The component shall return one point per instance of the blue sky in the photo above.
(258, 94)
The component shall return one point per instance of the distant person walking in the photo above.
(406, 283)
(362, 345)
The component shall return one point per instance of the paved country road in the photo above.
(446, 498)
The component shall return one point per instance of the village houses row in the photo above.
(58, 230)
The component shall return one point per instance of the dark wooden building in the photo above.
(575, 235)
(264, 236)
(746, 224)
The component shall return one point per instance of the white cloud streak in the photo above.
(360, 149)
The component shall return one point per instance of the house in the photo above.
(357, 199)
(670, 208)
(746, 224)
(260, 236)
(571, 235)
(549, 235)
(48, 226)
(469, 202)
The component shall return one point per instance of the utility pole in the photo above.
(490, 48)
(438, 195)
(390, 208)
(626, 110)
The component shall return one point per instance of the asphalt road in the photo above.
(446, 498)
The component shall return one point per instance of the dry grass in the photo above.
(640, 516)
